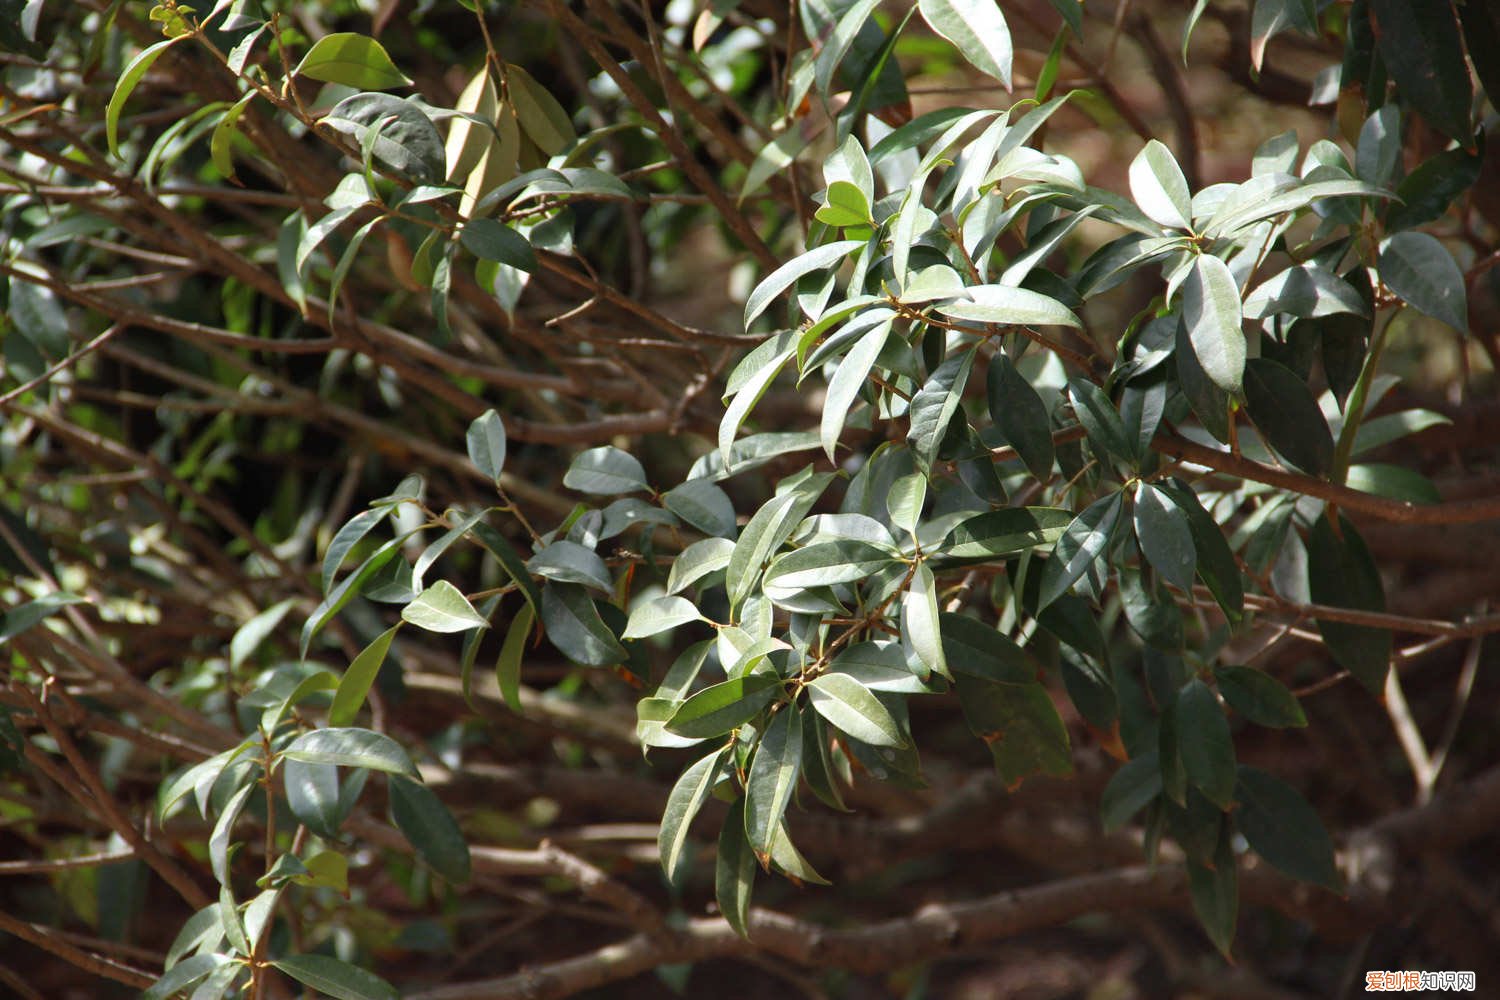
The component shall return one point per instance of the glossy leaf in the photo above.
(1080, 547)
(353, 60)
(920, 628)
(1211, 313)
(1421, 270)
(1204, 743)
(605, 470)
(1020, 725)
(24, 616)
(789, 273)
(569, 562)
(1004, 304)
(716, 710)
(772, 779)
(312, 793)
(1021, 416)
(1216, 896)
(826, 563)
(977, 29)
(352, 747)
(1165, 536)
(1100, 419)
(1159, 187)
(851, 708)
(704, 506)
(130, 76)
(847, 381)
(491, 240)
(686, 798)
(934, 405)
(573, 625)
(660, 615)
(1133, 787)
(734, 870)
(442, 607)
(1422, 48)
(508, 661)
(401, 136)
(999, 533)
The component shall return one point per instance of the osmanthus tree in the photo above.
(1104, 472)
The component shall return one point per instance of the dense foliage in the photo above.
(414, 412)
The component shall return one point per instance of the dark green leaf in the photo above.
(996, 534)
(703, 505)
(1394, 481)
(1424, 52)
(767, 529)
(1080, 547)
(1286, 413)
(1427, 191)
(573, 625)
(1259, 697)
(1133, 787)
(849, 706)
(1165, 536)
(510, 561)
(1216, 894)
(1204, 743)
(1421, 270)
(1020, 725)
(569, 562)
(974, 648)
(312, 793)
(1216, 565)
(734, 870)
(24, 616)
(1100, 419)
(404, 138)
(1342, 573)
(1210, 403)
(826, 563)
(659, 615)
(1021, 416)
(184, 974)
(491, 240)
(1282, 828)
(430, 828)
(934, 406)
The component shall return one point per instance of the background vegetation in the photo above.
(365, 391)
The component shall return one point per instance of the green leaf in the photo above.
(934, 406)
(129, 77)
(974, 648)
(248, 637)
(846, 206)
(353, 60)
(905, 500)
(1021, 416)
(488, 239)
(430, 828)
(660, 615)
(766, 531)
(687, 797)
(1211, 311)
(352, 747)
(1259, 697)
(1159, 187)
(345, 539)
(844, 386)
(1421, 270)
(1423, 50)
(184, 974)
(996, 534)
(1282, 828)
(1216, 565)
(1165, 535)
(850, 707)
(1216, 895)
(788, 274)
(1099, 418)
(573, 625)
(335, 978)
(920, 628)
(1080, 547)
(1020, 725)
(356, 682)
(1426, 193)
(773, 779)
(442, 607)
(510, 561)
(1308, 290)
(1286, 413)
(1209, 403)
(721, 707)
(542, 118)
(1204, 743)
(734, 870)
(396, 133)
(977, 29)
(879, 666)
(1394, 481)
(24, 616)
(605, 470)
(569, 562)
(486, 443)
(1004, 304)
(703, 505)
(826, 563)
(508, 662)
(312, 793)
(1132, 788)
(697, 561)
(1342, 573)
